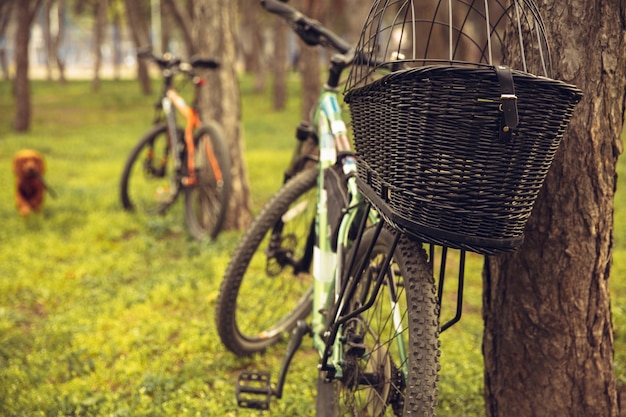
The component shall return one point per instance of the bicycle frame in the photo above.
(339, 298)
(333, 139)
(332, 286)
(171, 100)
(328, 266)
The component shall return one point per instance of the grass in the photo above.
(105, 313)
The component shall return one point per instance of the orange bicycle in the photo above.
(169, 159)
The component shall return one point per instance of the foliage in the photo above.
(108, 313)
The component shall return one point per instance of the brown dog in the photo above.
(29, 167)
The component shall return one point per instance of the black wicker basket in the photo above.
(450, 150)
(432, 160)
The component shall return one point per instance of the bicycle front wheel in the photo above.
(391, 350)
(206, 202)
(148, 182)
(267, 286)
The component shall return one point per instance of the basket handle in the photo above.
(508, 102)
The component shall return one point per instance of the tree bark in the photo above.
(309, 60)
(548, 342)
(116, 42)
(215, 32)
(252, 41)
(353, 13)
(57, 38)
(280, 64)
(25, 11)
(139, 31)
(6, 12)
(99, 26)
(184, 22)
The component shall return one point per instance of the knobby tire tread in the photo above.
(149, 136)
(423, 340)
(236, 271)
(215, 133)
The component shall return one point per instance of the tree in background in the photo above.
(548, 342)
(309, 58)
(183, 16)
(138, 27)
(54, 29)
(215, 32)
(116, 9)
(279, 64)
(99, 29)
(25, 13)
(6, 11)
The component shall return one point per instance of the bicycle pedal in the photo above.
(254, 390)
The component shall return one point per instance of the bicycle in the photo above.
(358, 276)
(281, 244)
(169, 159)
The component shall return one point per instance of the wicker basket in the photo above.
(431, 158)
(454, 136)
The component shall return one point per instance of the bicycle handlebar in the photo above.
(172, 63)
(311, 31)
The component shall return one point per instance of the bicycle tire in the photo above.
(206, 203)
(247, 324)
(402, 389)
(146, 182)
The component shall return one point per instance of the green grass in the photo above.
(108, 313)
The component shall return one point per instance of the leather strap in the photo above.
(508, 102)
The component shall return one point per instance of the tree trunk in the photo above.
(47, 32)
(280, 64)
(25, 10)
(548, 342)
(6, 12)
(57, 38)
(184, 22)
(116, 42)
(215, 34)
(252, 44)
(139, 31)
(99, 26)
(309, 61)
(350, 15)
(54, 11)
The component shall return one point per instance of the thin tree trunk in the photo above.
(252, 43)
(54, 11)
(116, 40)
(25, 10)
(57, 38)
(184, 22)
(47, 32)
(139, 31)
(100, 9)
(216, 35)
(6, 11)
(548, 341)
(309, 60)
(280, 64)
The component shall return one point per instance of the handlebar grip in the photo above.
(206, 63)
(144, 52)
(281, 9)
(310, 30)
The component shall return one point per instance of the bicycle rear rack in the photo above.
(440, 285)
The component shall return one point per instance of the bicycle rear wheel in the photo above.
(206, 203)
(391, 350)
(267, 286)
(148, 183)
